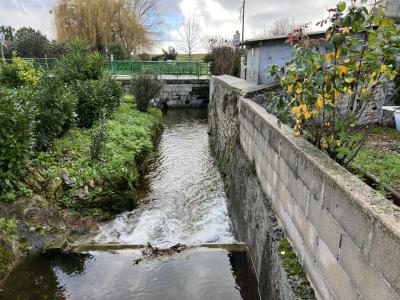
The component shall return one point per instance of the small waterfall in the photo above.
(183, 199)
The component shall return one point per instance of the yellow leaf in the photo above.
(328, 58)
(342, 70)
(347, 90)
(338, 52)
(337, 93)
(307, 115)
(346, 30)
(366, 91)
(328, 36)
(290, 88)
(320, 102)
(296, 111)
(303, 107)
(393, 75)
(383, 68)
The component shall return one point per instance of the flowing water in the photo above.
(183, 198)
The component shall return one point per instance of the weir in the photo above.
(184, 91)
(268, 217)
(182, 201)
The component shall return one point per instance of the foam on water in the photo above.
(184, 200)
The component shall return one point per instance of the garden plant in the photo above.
(331, 82)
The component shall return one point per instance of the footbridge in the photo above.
(186, 83)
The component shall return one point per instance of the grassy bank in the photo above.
(72, 190)
(380, 156)
(105, 185)
(195, 57)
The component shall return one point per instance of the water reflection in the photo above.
(193, 274)
(36, 277)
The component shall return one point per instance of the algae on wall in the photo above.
(251, 211)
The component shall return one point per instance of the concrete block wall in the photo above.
(251, 211)
(346, 234)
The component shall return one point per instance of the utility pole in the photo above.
(2, 38)
(243, 8)
(2, 52)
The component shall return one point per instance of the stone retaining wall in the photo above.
(178, 93)
(181, 92)
(346, 235)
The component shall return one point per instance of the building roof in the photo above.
(257, 41)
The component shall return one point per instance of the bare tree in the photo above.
(281, 26)
(189, 35)
(147, 12)
(223, 56)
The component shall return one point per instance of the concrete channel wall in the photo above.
(346, 235)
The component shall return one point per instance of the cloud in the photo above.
(32, 13)
(222, 17)
(216, 17)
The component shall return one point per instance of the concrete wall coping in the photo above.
(370, 201)
(244, 86)
(346, 234)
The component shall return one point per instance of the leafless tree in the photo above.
(189, 35)
(281, 27)
(147, 12)
(223, 56)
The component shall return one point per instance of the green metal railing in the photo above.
(175, 68)
(45, 63)
(128, 67)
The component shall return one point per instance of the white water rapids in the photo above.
(183, 199)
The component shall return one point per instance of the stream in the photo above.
(182, 195)
(182, 200)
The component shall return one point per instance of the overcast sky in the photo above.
(217, 17)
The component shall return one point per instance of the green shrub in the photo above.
(117, 50)
(80, 63)
(145, 87)
(17, 124)
(19, 73)
(326, 89)
(96, 97)
(98, 139)
(111, 180)
(56, 110)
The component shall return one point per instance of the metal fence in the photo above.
(45, 63)
(176, 68)
(128, 67)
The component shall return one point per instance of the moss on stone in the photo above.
(105, 186)
(295, 271)
(6, 259)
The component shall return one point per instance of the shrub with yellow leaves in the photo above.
(327, 86)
